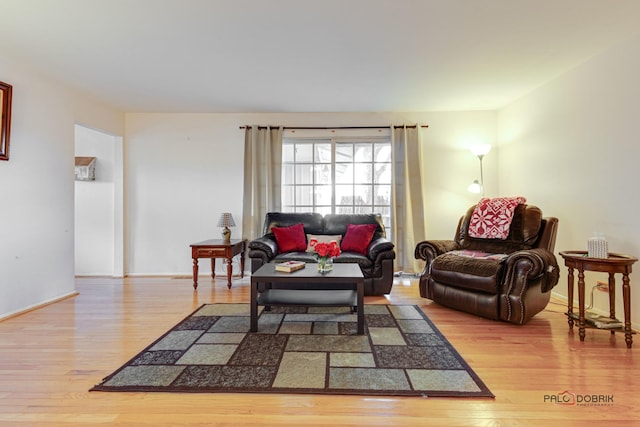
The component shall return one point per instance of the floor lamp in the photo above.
(479, 151)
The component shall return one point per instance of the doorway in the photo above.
(99, 234)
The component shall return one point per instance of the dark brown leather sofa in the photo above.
(512, 282)
(376, 265)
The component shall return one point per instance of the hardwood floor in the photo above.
(50, 357)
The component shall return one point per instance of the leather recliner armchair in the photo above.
(376, 264)
(509, 280)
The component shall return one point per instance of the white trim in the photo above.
(337, 133)
(37, 306)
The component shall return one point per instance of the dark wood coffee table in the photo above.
(349, 275)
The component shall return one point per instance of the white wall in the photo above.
(451, 167)
(572, 148)
(183, 170)
(36, 205)
(95, 205)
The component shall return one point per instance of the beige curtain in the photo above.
(407, 199)
(262, 177)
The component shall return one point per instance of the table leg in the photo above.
(360, 302)
(242, 264)
(229, 271)
(254, 306)
(581, 325)
(195, 273)
(570, 298)
(213, 268)
(612, 298)
(626, 297)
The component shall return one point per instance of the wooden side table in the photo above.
(615, 263)
(218, 248)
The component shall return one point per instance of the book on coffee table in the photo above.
(290, 266)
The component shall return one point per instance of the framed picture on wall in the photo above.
(5, 122)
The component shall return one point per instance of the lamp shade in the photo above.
(226, 220)
(474, 187)
(481, 150)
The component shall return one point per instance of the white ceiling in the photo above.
(310, 56)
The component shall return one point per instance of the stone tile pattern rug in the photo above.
(301, 350)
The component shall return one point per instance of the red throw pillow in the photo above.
(357, 238)
(290, 239)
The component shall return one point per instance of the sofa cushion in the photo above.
(357, 238)
(479, 274)
(291, 238)
(295, 256)
(352, 257)
(337, 223)
(479, 254)
(312, 221)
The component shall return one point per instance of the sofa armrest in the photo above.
(428, 250)
(379, 246)
(537, 264)
(263, 247)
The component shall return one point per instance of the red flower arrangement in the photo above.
(325, 249)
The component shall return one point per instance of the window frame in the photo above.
(289, 166)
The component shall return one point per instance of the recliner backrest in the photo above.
(547, 235)
(524, 232)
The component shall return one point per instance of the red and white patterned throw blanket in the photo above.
(491, 219)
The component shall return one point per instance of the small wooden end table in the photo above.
(614, 263)
(348, 276)
(218, 248)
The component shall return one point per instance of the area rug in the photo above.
(301, 350)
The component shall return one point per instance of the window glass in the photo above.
(287, 153)
(363, 152)
(330, 176)
(303, 153)
(363, 172)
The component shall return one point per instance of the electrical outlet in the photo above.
(602, 286)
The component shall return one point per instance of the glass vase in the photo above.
(325, 264)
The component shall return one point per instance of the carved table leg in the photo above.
(626, 296)
(195, 273)
(229, 272)
(570, 298)
(242, 264)
(581, 325)
(612, 297)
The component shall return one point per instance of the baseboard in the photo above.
(98, 276)
(37, 306)
(185, 275)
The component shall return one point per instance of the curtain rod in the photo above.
(335, 127)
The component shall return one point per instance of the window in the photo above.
(337, 176)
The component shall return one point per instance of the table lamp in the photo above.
(226, 221)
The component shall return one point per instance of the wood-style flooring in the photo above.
(52, 356)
